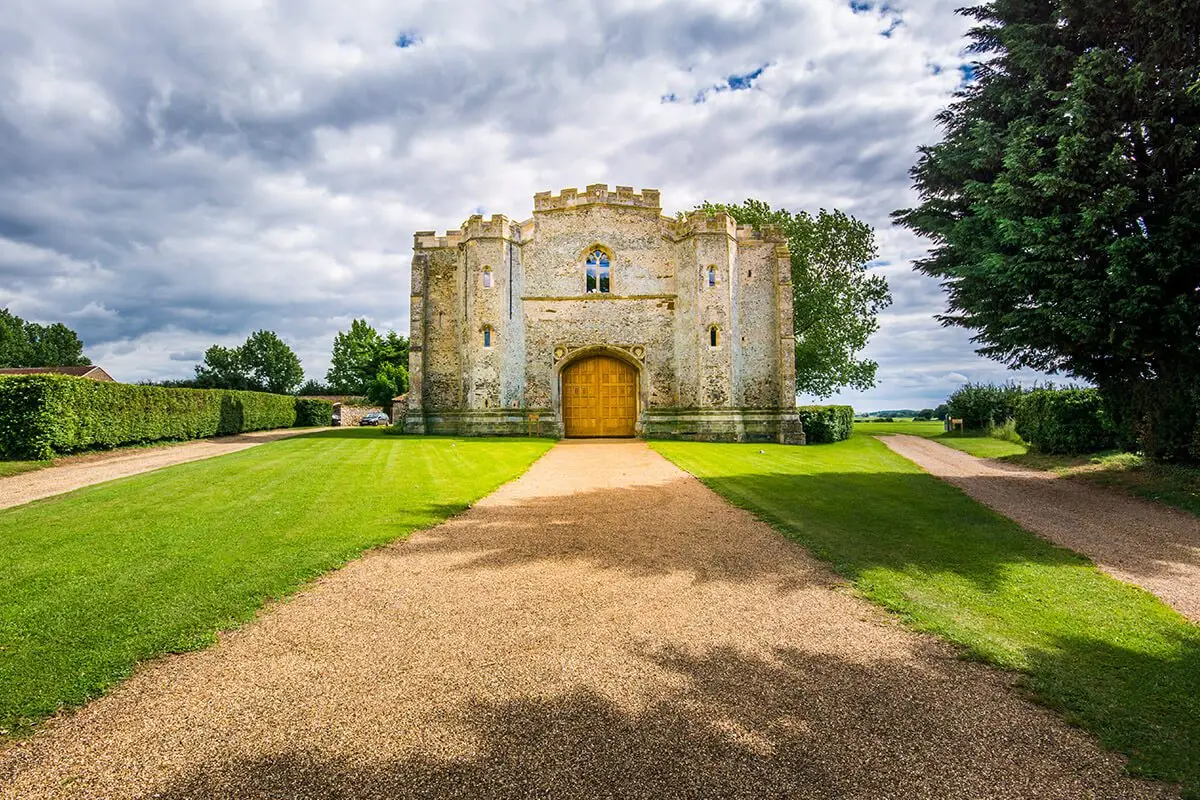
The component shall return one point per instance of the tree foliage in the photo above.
(313, 387)
(836, 300)
(1064, 202)
(263, 363)
(365, 363)
(28, 344)
(353, 356)
(390, 381)
(270, 363)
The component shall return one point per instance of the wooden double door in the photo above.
(599, 397)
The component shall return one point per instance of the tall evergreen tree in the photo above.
(1064, 202)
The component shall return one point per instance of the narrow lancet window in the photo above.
(487, 336)
(712, 276)
(713, 340)
(487, 277)
(599, 272)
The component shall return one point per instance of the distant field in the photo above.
(975, 443)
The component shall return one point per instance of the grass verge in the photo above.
(17, 467)
(976, 443)
(1110, 657)
(1175, 485)
(93, 582)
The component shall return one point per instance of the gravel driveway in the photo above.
(79, 471)
(1143, 543)
(604, 626)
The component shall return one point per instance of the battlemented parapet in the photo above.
(597, 193)
(429, 240)
(700, 222)
(767, 233)
(498, 227)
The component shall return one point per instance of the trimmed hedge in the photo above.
(46, 415)
(1068, 421)
(825, 424)
(312, 412)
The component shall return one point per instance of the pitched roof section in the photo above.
(93, 372)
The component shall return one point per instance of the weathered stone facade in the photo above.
(500, 307)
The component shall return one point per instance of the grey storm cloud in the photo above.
(174, 175)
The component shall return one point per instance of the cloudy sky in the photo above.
(174, 175)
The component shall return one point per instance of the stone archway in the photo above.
(599, 397)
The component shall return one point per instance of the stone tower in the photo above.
(599, 316)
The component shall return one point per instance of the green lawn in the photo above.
(17, 467)
(93, 582)
(974, 442)
(1175, 485)
(1109, 656)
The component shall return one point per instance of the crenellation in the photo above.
(596, 193)
(429, 240)
(702, 222)
(765, 233)
(498, 227)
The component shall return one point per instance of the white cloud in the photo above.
(178, 175)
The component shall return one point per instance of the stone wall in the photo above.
(350, 415)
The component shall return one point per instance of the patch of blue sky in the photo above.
(733, 83)
(407, 39)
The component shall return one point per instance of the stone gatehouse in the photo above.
(599, 316)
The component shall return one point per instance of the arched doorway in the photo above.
(599, 397)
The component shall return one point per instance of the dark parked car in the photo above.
(375, 418)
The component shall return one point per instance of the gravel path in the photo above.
(79, 471)
(1144, 543)
(604, 626)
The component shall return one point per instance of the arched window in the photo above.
(598, 272)
(712, 276)
(713, 336)
(487, 277)
(487, 335)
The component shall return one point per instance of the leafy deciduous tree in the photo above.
(361, 356)
(263, 363)
(350, 369)
(390, 381)
(28, 344)
(313, 387)
(836, 300)
(270, 363)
